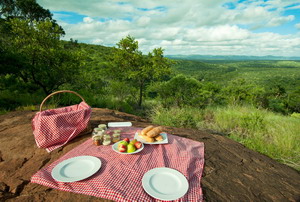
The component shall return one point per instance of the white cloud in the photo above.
(183, 27)
(88, 20)
(97, 41)
(280, 20)
(217, 33)
(143, 21)
(91, 8)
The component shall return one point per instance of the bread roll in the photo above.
(147, 129)
(155, 131)
(146, 138)
(158, 138)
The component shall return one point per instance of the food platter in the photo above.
(76, 169)
(164, 141)
(115, 148)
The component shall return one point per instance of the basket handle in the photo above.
(57, 92)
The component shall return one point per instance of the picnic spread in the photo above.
(232, 172)
(120, 162)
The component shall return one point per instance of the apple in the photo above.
(126, 139)
(133, 141)
(131, 148)
(138, 144)
(123, 142)
(122, 148)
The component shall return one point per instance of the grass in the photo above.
(36, 107)
(3, 112)
(177, 117)
(27, 108)
(274, 135)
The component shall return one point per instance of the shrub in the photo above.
(295, 115)
(177, 117)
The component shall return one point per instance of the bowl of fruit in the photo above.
(128, 147)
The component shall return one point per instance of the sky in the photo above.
(185, 27)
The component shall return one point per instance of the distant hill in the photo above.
(230, 57)
(105, 51)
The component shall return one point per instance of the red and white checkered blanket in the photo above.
(54, 128)
(120, 176)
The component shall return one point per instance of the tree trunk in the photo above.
(141, 94)
(47, 92)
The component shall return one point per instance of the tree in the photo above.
(179, 91)
(293, 100)
(45, 61)
(25, 9)
(30, 39)
(184, 91)
(239, 91)
(130, 65)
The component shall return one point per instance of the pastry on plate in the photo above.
(151, 134)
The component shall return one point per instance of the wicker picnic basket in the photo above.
(54, 128)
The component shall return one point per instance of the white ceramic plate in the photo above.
(115, 148)
(164, 141)
(119, 124)
(76, 169)
(165, 183)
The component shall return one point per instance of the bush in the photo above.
(277, 106)
(10, 100)
(295, 115)
(177, 117)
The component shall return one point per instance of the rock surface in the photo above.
(231, 173)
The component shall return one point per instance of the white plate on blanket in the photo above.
(164, 141)
(76, 169)
(165, 184)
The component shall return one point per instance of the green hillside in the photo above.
(287, 73)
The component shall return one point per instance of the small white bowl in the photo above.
(115, 148)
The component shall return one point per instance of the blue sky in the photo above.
(206, 27)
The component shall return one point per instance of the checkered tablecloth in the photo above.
(120, 176)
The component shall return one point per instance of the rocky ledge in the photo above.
(231, 173)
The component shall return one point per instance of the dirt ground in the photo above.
(231, 173)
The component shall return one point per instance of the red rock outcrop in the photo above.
(232, 172)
